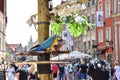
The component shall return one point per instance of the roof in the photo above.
(13, 46)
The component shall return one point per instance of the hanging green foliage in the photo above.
(7, 55)
(76, 24)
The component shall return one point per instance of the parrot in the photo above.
(46, 45)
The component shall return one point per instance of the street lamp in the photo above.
(108, 44)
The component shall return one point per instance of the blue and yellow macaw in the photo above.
(46, 45)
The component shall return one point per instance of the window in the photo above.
(89, 19)
(89, 45)
(84, 46)
(93, 18)
(0, 43)
(109, 58)
(88, 4)
(93, 2)
(107, 8)
(108, 33)
(93, 42)
(100, 35)
(118, 5)
(100, 7)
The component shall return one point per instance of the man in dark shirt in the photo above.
(99, 69)
(23, 74)
(83, 70)
(61, 71)
(14, 65)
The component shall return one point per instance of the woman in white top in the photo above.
(11, 72)
(117, 70)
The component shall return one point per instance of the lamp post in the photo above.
(107, 42)
(107, 45)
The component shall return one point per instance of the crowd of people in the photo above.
(70, 71)
(95, 69)
(21, 71)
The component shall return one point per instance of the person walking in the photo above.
(112, 70)
(70, 71)
(14, 65)
(99, 68)
(61, 72)
(54, 71)
(32, 71)
(117, 70)
(11, 72)
(66, 71)
(83, 71)
(23, 74)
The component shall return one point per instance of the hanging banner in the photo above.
(64, 35)
(99, 17)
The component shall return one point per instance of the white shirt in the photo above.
(117, 72)
(11, 75)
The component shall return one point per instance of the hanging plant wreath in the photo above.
(76, 24)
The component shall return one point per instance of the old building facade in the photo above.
(104, 30)
(105, 35)
(13, 49)
(116, 29)
(84, 42)
(90, 38)
(2, 36)
(3, 22)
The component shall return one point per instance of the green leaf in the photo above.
(85, 17)
(57, 27)
(75, 29)
(88, 24)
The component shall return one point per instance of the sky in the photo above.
(18, 12)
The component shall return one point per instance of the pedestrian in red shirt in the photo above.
(54, 70)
